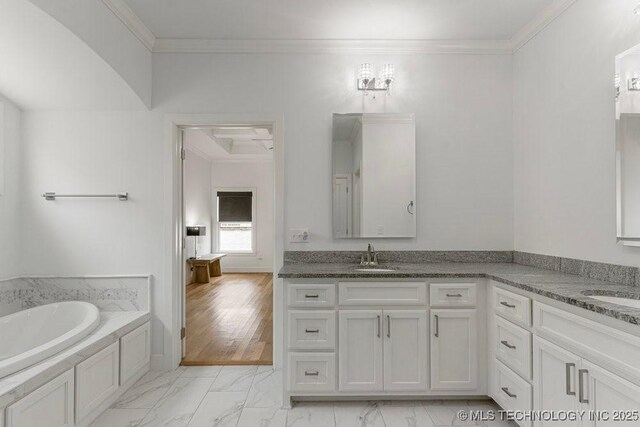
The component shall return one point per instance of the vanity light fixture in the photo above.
(368, 83)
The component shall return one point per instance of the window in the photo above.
(236, 231)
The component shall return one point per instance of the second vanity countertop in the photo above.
(567, 288)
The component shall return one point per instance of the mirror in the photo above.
(627, 93)
(374, 175)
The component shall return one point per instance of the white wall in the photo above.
(197, 201)
(564, 133)
(94, 152)
(10, 186)
(463, 126)
(258, 175)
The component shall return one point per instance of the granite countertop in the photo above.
(112, 326)
(567, 288)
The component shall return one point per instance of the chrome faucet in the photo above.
(371, 257)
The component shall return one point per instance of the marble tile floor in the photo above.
(250, 396)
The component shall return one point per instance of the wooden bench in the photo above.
(205, 267)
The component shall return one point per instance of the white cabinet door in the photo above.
(614, 398)
(405, 350)
(360, 350)
(51, 405)
(97, 379)
(135, 352)
(555, 371)
(454, 349)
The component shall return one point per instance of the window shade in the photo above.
(235, 206)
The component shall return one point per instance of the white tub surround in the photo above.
(32, 335)
(84, 379)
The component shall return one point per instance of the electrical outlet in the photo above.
(299, 235)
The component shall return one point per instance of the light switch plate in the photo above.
(299, 235)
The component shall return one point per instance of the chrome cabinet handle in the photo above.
(506, 344)
(508, 393)
(581, 384)
(437, 333)
(311, 373)
(379, 326)
(506, 304)
(454, 295)
(312, 331)
(568, 367)
(388, 326)
(312, 296)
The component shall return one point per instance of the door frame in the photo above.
(173, 225)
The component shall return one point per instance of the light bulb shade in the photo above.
(196, 230)
(366, 72)
(388, 73)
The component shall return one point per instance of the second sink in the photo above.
(627, 302)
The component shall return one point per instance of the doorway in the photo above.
(228, 194)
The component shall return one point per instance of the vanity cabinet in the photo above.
(383, 350)
(454, 349)
(360, 357)
(372, 338)
(555, 386)
(405, 350)
(567, 382)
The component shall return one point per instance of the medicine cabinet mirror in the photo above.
(374, 176)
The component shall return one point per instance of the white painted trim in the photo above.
(489, 47)
(157, 362)
(173, 286)
(105, 276)
(130, 20)
(539, 23)
(247, 270)
(195, 45)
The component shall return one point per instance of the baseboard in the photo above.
(247, 270)
(157, 362)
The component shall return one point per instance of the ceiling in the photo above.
(333, 19)
(45, 66)
(231, 143)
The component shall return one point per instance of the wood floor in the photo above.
(229, 321)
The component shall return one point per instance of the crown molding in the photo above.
(130, 20)
(324, 46)
(539, 23)
(495, 47)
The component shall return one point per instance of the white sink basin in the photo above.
(627, 302)
(375, 270)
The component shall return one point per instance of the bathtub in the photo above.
(30, 336)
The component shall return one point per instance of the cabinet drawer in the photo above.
(308, 295)
(312, 372)
(135, 352)
(511, 392)
(514, 307)
(96, 380)
(312, 330)
(452, 294)
(382, 293)
(513, 347)
(50, 405)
